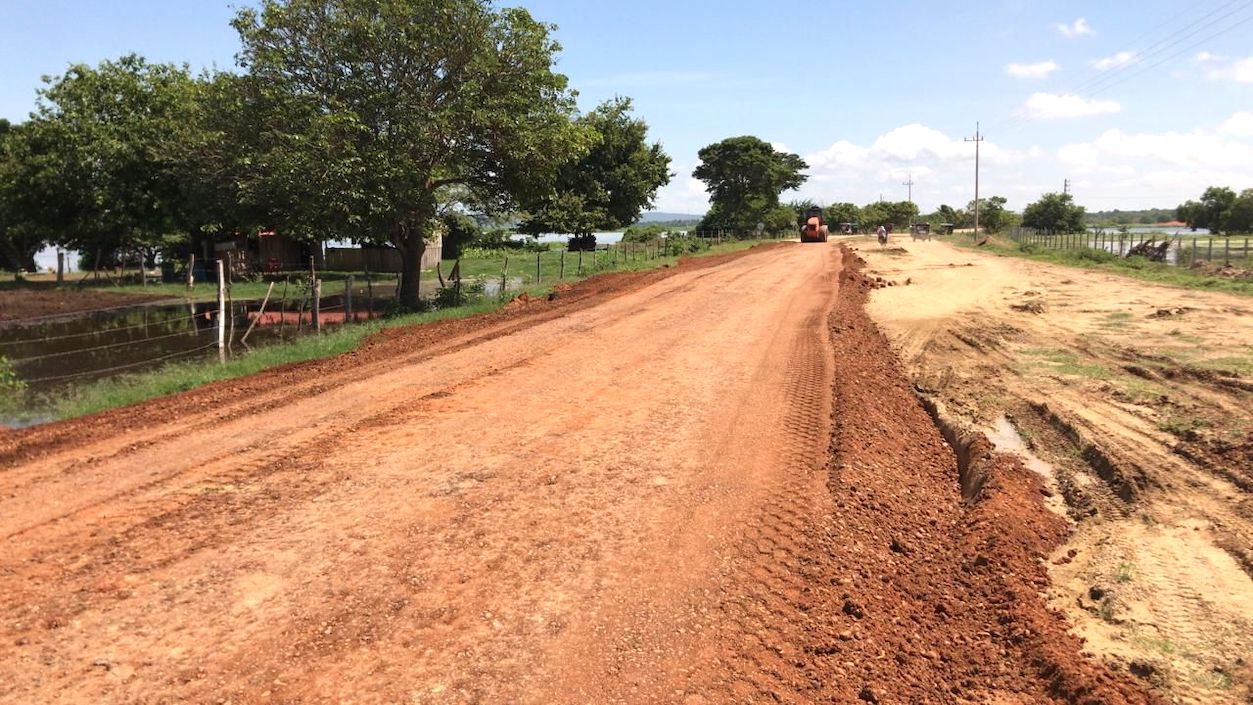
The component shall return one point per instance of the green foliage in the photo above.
(744, 177)
(838, 213)
(897, 213)
(460, 230)
(1220, 210)
(993, 217)
(610, 184)
(372, 113)
(99, 156)
(644, 233)
(1054, 213)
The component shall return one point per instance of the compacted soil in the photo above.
(1139, 401)
(708, 484)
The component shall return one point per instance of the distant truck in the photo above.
(813, 229)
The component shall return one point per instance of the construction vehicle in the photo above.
(813, 229)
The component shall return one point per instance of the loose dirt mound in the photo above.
(935, 601)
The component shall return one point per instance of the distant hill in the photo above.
(660, 217)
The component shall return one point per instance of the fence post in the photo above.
(221, 308)
(1209, 250)
(561, 274)
(317, 305)
(348, 299)
(538, 276)
(60, 267)
(504, 274)
(1227, 250)
(580, 270)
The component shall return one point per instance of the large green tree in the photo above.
(1054, 213)
(100, 150)
(380, 110)
(744, 177)
(20, 236)
(1213, 211)
(609, 185)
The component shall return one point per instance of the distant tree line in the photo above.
(377, 121)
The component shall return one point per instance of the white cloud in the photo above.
(1240, 125)
(1197, 149)
(1240, 71)
(684, 194)
(1077, 28)
(1122, 58)
(1206, 57)
(1037, 70)
(1050, 106)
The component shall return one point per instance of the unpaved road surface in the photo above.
(1140, 399)
(711, 484)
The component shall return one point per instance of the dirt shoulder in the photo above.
(1138, 397)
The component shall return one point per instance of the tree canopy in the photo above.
(376, 111)
(1054, 213)
(744, 177)
(1219, 210)
(607, 186)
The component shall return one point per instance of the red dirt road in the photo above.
(637, 493)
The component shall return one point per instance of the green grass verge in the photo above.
(178, 377)
(1133, 267)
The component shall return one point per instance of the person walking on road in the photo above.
(883, 235)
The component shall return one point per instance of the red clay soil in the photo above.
(933, 599)
(704, 485)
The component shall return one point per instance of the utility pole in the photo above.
(976, 139)
(910, 184)
(1066, 186)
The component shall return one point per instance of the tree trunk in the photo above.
(412, 246)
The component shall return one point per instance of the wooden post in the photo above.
(580, 270)
(348, 300)
(504, 275)
(221, 307)
(562, 273)
(369, 296)
(60, 267)
(1227, 250)
(1209, 253)
(191, 271)
(317, 305)
(456, 273)
(260, 313)
(538, 276)
(282, 308)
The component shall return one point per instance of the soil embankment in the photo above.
(1139, 398)
(703, 485)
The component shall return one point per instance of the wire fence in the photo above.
(1176, 249)
(50, 350)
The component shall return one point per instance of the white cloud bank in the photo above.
(1050, 106)
(1240, 125)
(1037, 70)
(1078, 28)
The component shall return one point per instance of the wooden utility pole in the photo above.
(221, 308)
(976, 139)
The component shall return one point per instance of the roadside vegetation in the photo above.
(1101, 260)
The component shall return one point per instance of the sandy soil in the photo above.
(709, 484)
(1139, 399)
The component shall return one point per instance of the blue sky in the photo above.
(1139, 104)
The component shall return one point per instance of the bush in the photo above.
(1090, 254)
